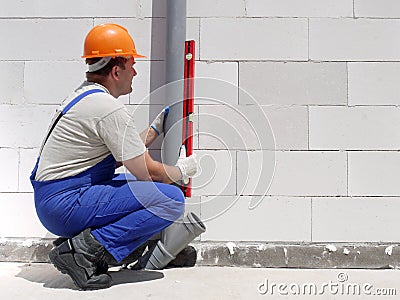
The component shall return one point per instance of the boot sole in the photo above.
(61, 266)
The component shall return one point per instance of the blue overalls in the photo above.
(122, 212)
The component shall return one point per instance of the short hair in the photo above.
(116, 61)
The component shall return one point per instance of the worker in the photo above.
(77, 195)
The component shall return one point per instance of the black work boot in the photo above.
(101, 265)
(79, 257)
(186, 258)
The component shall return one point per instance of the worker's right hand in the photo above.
(187, 165)
(158, 123)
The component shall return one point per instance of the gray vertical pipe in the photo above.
(176, 36)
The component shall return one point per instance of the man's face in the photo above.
(126, 76)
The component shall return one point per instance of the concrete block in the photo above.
(19, 219)
(296, 173)
(334, 219)
(24, 126)
(53, 39)
(27, 161)
(280, 83)
(374, 83)
(376, 8)
(63, 76)
(12, 81)
(231, 218)
(289, 125)
(234, 127)
(215, 8)
(9, 172)
(72, 8)
(217, 174)
(343, 39)
(216, 83)
(354, 128)
(302, 8)
(374, 173)
(234, 39)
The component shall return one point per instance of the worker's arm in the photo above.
(148, 136)
(144, 168)
(156, 128)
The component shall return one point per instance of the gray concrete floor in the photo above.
(42, 281)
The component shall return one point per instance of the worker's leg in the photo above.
(125, 215)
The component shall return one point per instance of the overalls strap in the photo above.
(63, 112)
(68, 107)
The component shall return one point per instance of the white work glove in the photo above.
(187, 165)
(158, 123)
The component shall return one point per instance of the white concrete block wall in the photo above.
(72, 8)
(12, 79)
(232, 218)
(302, 96)
(374, 83)
(299, 8)
(356, 219)
(216, 8)
(24, 125)
(319, 83)
(354, 128)
(42, 39)
(42, 86)
(217, 175)
(297, 173)
(374, 173)
(240, 39)
(9, 171)
(376, 8)
(346, 39)
(19, 219)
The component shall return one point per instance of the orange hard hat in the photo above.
(109, 40)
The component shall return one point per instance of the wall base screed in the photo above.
(249, 254)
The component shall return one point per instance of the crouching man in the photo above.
(77, 195)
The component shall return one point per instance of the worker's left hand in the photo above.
(158, 123)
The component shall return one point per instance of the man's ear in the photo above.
(115, 72)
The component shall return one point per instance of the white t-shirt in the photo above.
(97, 126)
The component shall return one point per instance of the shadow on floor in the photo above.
(51, 278)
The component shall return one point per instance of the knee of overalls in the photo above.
(174, 202)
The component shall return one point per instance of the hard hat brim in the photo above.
(115, 55)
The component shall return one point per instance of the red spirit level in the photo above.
(188, 108)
